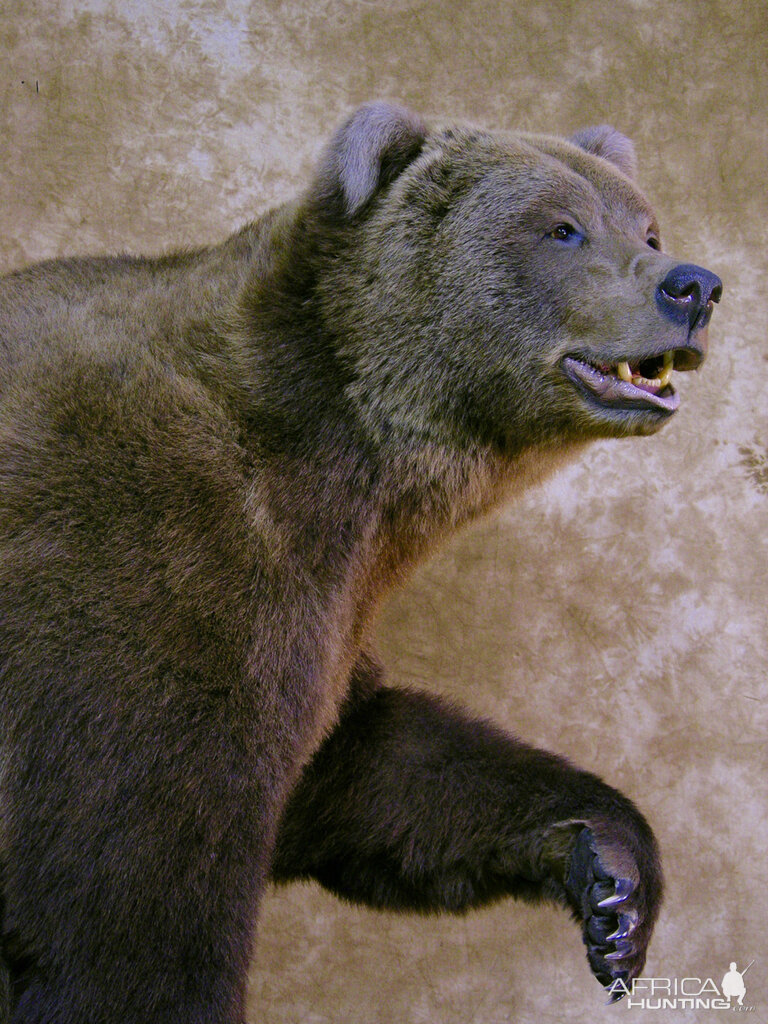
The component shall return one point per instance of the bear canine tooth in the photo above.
(624, 372)
(666, 373)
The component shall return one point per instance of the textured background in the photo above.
(617, 614)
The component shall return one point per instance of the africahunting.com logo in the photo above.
(686, 993)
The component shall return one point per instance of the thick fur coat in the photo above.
(213, 467)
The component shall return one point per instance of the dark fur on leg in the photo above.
(411, 804)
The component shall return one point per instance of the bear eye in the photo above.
(654, 242)
(567, 233)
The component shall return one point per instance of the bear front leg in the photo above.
(410, 804)
(131, 881)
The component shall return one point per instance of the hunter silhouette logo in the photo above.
(733, 983)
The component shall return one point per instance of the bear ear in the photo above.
(605, 141)
(370, 149)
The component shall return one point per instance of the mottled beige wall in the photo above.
(618, 614)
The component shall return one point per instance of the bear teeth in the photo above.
(624, 371)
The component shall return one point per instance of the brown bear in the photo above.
(213, 467)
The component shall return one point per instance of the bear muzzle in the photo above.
(687, 295)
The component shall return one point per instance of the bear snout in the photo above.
(687, 294)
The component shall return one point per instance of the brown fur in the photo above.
(213, 466)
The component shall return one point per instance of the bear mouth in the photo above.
(627, 385)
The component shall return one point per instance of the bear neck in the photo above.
(362, 490)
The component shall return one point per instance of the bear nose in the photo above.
(686, 294)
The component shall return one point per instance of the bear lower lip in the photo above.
(613, 392)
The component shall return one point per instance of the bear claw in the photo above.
(617, 993)
(623, 890)
(622, 951)
(627, 924)
(614, 952)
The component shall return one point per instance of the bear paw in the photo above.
(606, 895)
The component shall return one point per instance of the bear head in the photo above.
(499, 288)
